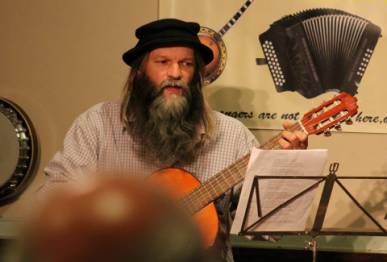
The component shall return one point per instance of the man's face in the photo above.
(166, 105)
(175, 64)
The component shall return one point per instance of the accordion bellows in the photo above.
(319, 50)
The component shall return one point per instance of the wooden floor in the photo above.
(275, 255)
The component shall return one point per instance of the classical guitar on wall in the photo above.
(213, 40)
(197, 198)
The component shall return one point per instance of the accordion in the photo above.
(318, 50)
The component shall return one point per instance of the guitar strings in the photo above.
(218, 184)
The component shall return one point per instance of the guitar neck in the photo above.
(227, 178)
(328, 115)
(235, 18)
(273, 142)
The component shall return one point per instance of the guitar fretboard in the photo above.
(225, 179)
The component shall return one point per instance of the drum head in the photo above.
(214, 41)
(9, 149)
(18, 151)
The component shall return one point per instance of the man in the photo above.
(162, 121)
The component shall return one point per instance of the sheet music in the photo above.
(274, 192)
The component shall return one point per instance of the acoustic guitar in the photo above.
(197, 198)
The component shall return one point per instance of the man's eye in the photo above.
(187, 63)
(163, 62)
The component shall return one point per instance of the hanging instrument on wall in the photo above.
(318, 50)
(214, 41)
(19, 152)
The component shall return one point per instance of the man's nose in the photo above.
(174, 71)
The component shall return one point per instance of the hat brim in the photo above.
(132, 54)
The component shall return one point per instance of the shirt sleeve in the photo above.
(244, 141)
(79, 154)
(247, 142)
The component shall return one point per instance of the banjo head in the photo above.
(214, 41)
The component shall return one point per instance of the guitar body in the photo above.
(180, 183)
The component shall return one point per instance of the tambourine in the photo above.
(214, 41)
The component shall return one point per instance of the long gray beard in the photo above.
(167, 134)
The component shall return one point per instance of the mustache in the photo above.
(173, 83)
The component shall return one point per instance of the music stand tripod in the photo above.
(316, 230)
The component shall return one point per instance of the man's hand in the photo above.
(293, 139)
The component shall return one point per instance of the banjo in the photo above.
(213, 40)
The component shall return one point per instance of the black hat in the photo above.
(167, 32)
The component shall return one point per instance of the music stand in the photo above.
(316, 230)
